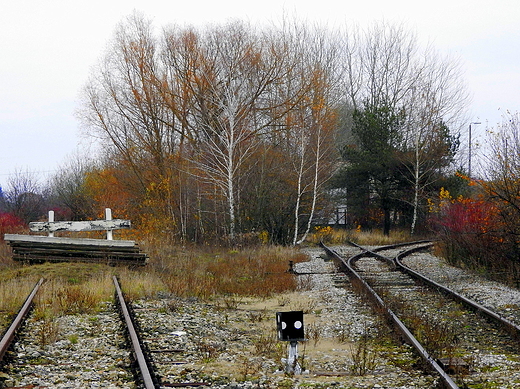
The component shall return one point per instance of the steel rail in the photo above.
(512, 328)
(390, 261)
(144, 368)
(8, 337)
(398, 325)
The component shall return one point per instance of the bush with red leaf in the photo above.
(10, 224)
(472, 233)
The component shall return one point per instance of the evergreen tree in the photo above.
(373, 173)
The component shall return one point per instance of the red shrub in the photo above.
(469, 216)
(10, 224)
(471, 231)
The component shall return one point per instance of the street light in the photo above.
(469, 158)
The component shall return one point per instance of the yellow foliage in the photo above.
(444, 199)
(444, 194)
(108, 192)
(264, 237)
(323, 233)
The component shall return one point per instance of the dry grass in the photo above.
(378, 238)
(5, 255)
(12, 295)
(58, 296)
(374, 237)
(205, 273)
(218, 273)
(140, 284)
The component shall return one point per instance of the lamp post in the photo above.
(469, 158)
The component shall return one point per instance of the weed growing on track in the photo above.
(46, 315)
(363, 356)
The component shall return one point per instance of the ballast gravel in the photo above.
(72, 351)
(491, 294)
(231, 343)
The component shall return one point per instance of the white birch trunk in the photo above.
(416, 186)
(298, 198)
(314, 189)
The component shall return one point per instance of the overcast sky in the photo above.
(47, 48)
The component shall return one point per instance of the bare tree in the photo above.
(122, 103)
(69, 187)
(419, 84)
(435, 110)
(24, 196)
(195, 110)
(243, 88)
(315, 127)
(503, 171)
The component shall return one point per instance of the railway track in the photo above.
(153, 351)
(182, 341)
(448, 330)
(40, 355)
(123, 353)
(9, 335)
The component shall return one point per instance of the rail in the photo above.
(8, 337)
(398, 325)
(512, 328)
(509, 326)
(145, 370)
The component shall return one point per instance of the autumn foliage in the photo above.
(473, 234)
(9, 224)
(467, 216)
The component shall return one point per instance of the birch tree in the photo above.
(189, 115)
(237, 103)
(316, 129)
(436, 102)
(425, 89)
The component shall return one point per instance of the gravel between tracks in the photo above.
(491, 294)
(223, 342)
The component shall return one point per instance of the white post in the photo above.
(51, 219)
(108, 216)
(293, 367)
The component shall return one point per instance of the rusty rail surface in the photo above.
(8, 337)
(398, 325)
(145, 370)
(512, 328)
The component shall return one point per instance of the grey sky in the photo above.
(47, 49)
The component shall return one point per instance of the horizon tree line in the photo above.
(235, 129)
